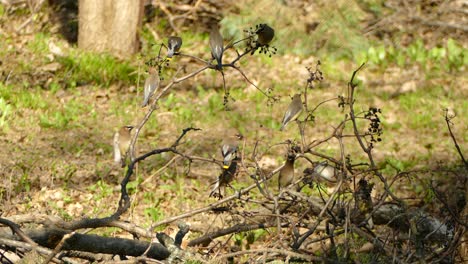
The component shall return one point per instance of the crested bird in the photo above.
(151, 84)
(226, 176)
(229, 148)
(173, 46)
(265, 34)
(122, 139)
(293, 111)
(216, 44)
(286, 174)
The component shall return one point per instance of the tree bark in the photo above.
(110, 25)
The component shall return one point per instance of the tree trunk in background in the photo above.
(110, 25)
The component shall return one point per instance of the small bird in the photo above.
(229, 149)
(286, 174)
(173, 46)
(226, 176)
(122, 140)
(265, 34)
(363, 200)
(325, 173)
(293, 112)
(216, 44)
(151, 84)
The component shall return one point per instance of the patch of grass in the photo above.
(339, 31)
(392, 165)
(457, 55)
(99, 69)
(374, 6)
(56, 119)
(101, 190)
(448, 56)
(81, 67)
(60, 210)
(6, 41)
(39, 43)
(5, 114)
(64, 173)
(24, 183)
(19, 98)
(154, 214)
(422, 111)
(133, 186)
(215, 102)
(62, 118)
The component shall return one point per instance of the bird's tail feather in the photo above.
(214, 188)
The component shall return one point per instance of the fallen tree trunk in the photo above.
(51, 237)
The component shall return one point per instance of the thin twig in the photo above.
(448, 120)
(58, 247)
(282, 252)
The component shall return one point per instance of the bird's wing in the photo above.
(170, 52)
(214, 188)
(287, 116)
(291, 113)
(225, 150)
(117, 154)
(151, 84)
(147, 91)
(217, 51)
(216, 44)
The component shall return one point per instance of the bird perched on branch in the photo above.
(173, 46)
(216, 44)
(324, 172)
(151, 84)
(122, 140)
(229, 148)
(293, 111)
(226, 176)
(363, 203)
(286, 174)
(265, 34)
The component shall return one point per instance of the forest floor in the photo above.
(58, 118)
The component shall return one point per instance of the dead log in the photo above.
(50, 237)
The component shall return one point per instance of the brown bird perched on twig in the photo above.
(151, 84)
(216, 44)
(293, 111)
(363, 203)
(265, 34)
(226, 176)
(122, 139)
(286, 174)
(229, 148)
(173, 46)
